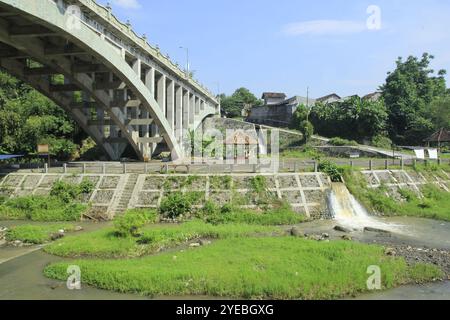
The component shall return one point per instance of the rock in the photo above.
(346, 238)
(17, 243)
(78, 229)
(295, 232)
(2, 242)
(325, 236)
(205, 242)
(341, 229)
(56, 236)
(390, 252)
(195, 245)
(315, 237)
(370, 229)
(62, 231)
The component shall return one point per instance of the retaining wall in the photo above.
(306, 192)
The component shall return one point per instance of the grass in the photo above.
(106, 244)
(252, 268)
(273, 217)
(41, 208)
(434, 205)
(35, 234)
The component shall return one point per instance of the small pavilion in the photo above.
(439, 138)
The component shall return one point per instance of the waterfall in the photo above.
(348, 212)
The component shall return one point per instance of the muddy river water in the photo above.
(21, 268)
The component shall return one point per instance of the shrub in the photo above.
(307, 129)
(339, 142)
(332, 170)
(176, 205)
(381, 141)
(132, 221)
(69, 192)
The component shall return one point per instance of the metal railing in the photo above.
(285, 166)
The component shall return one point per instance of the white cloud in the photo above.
(127, 4)
(324, 27)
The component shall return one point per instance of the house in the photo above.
(374, 96)
(329, 98)
(272, 98)
(439, 138)
(277, 110)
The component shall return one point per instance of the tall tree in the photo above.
(233, 105)
(408, 92)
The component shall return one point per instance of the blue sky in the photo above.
(288, 45)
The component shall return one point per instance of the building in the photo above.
(331, 98)
(439, 138)
(277, 110)
(273, 98)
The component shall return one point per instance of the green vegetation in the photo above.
(434, 205)
(233, 105)
(283, 215)
(36, 234)
(340, 142)
(63, 204)
(408, 92)
(307, 152)
(27, 118)
(332, 170)
(253, 268)
(176, 205)
(41, 208)
(131, 223)
(107, 244)
(68, 192)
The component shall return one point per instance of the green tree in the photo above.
(28, 118)
(408, 92)
(307, 129)
(233, 105)
(440, 112)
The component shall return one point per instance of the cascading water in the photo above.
(348, 212)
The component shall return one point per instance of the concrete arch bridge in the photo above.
(119, 89)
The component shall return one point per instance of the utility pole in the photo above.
(307, 104)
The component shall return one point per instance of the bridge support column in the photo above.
(191, 109)
(179, 114)
(197, 106)
(171, 105)
(150, 84)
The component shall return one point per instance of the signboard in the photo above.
(43, 149)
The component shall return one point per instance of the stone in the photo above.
(390, 252)
(346, 238)
(17, 243)
(195, 245)
(295, 232)
(342, 229)
(62, 231)
(204, 242)
(78, 228)
(325, 236)
(370, 229)
(56, 236)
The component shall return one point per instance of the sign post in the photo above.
(44, 149)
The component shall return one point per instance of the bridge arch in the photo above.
(135, 94)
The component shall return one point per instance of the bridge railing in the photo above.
(285, 166)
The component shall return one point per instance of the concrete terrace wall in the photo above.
(306, 192)
(399, 179)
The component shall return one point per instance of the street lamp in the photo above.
(187, 61)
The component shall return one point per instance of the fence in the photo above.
(285, 166)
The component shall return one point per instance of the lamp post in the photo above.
(187, 61)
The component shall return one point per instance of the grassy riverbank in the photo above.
(106, 243)
(36, 234)
(435, 203)
(257, 268)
